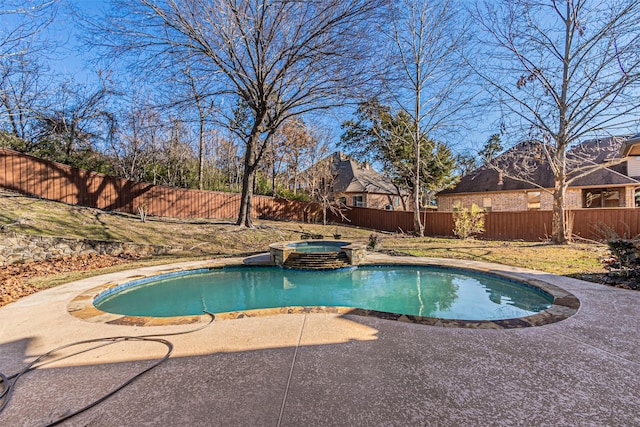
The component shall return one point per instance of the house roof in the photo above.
(631, 147)
(528, 160)
(354, 177)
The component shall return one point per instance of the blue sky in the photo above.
(71, 60)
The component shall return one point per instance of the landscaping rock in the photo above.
(24, 248)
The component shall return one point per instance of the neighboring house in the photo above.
(494, 187)
(354, 183)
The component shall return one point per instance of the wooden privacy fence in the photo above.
(54, 181)
(533, 226)
(62, 183)
(435, 223)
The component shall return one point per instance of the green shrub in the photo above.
(467, 223)
(300, 196)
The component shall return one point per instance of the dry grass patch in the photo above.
(570, 260)
(197, 236)
(201, 239)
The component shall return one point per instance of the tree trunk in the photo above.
(559, 226)
(201, 153)
(295, 183)
(273, 178)
(324, 213)
(244, 216)
(248, 181)
(558, 230)
(418, 228)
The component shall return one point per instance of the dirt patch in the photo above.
(14, 279)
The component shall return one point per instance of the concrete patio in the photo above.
(330, 369)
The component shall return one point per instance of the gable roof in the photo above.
(354, 177)
(528, 158)
(631, 147)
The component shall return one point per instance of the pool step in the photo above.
(316, 261)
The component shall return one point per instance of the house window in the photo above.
(457, 204)
(396, 201)
(600, 198)
(343, 201)
(533, 200)
(486, 204)
(358, 201)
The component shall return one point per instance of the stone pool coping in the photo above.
(565, 304)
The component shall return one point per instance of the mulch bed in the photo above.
(14, 277)
(613, 278)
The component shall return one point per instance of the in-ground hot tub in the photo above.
(319, 246)
(317, 254)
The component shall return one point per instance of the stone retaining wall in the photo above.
(16, 248)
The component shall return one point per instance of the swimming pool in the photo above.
(422, 291)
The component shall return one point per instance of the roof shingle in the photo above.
(528, 160)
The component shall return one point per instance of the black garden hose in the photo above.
(8, 382)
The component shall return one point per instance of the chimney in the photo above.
(500, 182)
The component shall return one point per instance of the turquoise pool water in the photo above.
(412, 290)
(317, 246)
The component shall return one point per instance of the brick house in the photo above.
(354, 183)
(521, 179)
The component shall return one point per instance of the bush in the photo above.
(624, 252)
(467, 223)
(624, 264)
(300, 196)
(374, 242)
(306, 235)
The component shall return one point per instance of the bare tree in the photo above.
(204, 107)
(319, 179)
(303, 146)
(281, 58)
(22, 86)
(22, 22)
(135, 147)
(22, 47)
(177, 156)
(564, 70)
(291, 145)
(428, 76)
(77, 127)
(273, 158)
(227, 163)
